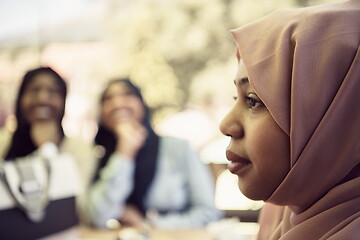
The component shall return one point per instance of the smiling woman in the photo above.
(43, 100)
(39, 176)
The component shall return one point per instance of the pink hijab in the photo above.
(305, 66)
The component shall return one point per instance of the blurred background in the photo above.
(180, 52)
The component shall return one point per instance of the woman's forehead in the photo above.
(117, 86)
(43, 79)
(241, 75)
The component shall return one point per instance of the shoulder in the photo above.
(173, 142)
(76, 144)
(176, 149)
(175, 146)
(5, 139)
(84, 154)
(79, 148)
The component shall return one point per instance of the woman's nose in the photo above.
(118, 101)
(43, 96)
(231, 125)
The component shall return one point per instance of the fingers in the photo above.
(131, 216)
(131, 131)
(131, 137)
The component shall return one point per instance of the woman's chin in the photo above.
(252, 192)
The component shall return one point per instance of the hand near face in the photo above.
(131, 137)
(45, 131)
(132, 217)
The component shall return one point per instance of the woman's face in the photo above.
(259, 150)
(42, 99)
(121, 104)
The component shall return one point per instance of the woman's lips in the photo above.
(42, 112)
(121, 114)
(237, 163)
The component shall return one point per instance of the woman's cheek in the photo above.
(268, 148)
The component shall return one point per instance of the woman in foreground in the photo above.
(294, 127)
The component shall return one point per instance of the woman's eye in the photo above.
(106, 98)
(34, 90)
(129, 93)
(252, 103)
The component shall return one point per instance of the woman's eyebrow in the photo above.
(241, 81)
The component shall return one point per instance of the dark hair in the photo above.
(145, 161)
(22, 144)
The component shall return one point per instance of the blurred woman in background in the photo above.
(143, 177)
(39, 177)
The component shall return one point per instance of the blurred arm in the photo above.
(105, 198)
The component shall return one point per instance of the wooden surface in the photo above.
(87, 233)
(226, 228)
(180, 235)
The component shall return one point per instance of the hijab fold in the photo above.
(304, 64)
